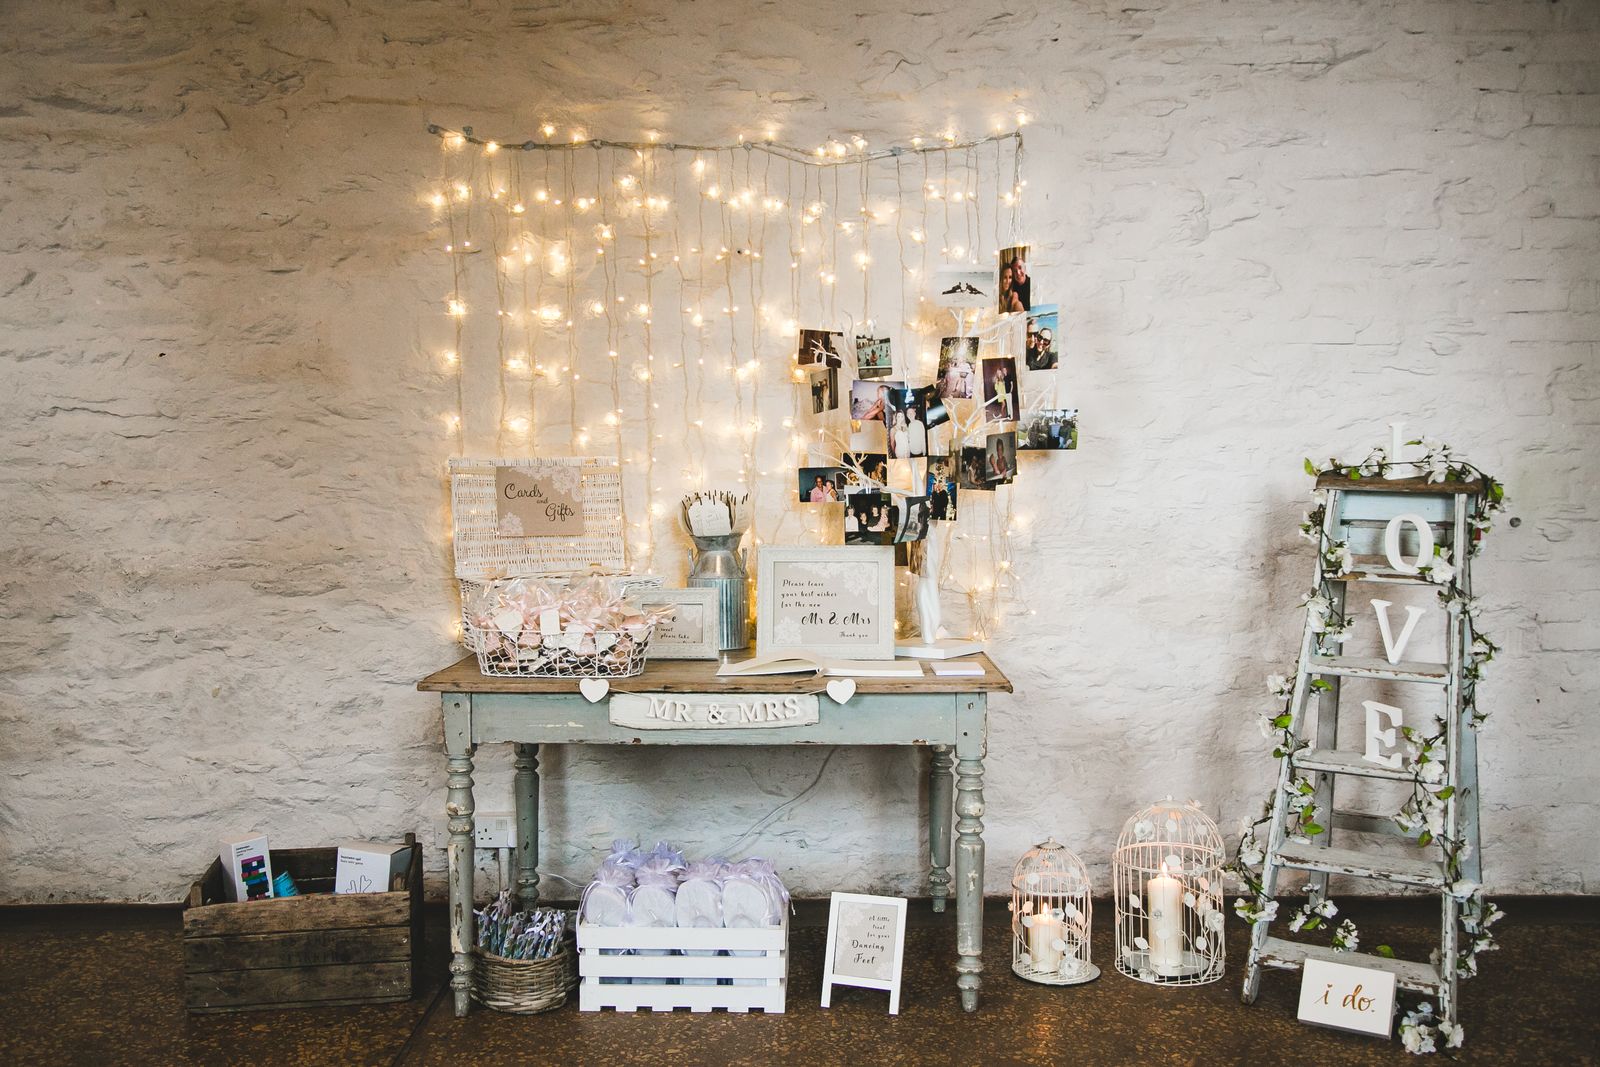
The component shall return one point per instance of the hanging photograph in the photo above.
(824, 390)
(865, 470)
(1001, 453)
(821, 485)
(1014, 283)
(821, 348)
(873, 357)
(975, 468)
(1053, 429)
(961, 287)
(908, 434)
(870, 518)
(1042, 353)
(1001, 397)
(958, 362)
(941, 489)
(934, 413)
(870, 400)
(913, 525)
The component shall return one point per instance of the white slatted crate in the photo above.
(759, 979)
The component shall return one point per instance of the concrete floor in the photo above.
(103, 985)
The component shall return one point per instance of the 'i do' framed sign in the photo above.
(830, 602)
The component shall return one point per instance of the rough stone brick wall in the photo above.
(1273, 226)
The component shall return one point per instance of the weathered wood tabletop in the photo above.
(700, 676)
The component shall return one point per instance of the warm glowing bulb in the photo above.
(517, 209)
(713, 191)
(457, 308)
(547, 129)
(449, 356)
(437, 200)
(597, 308)
(491, 148)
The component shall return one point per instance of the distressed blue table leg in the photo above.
(971, 746)
(940, 788)
(459, 807)
(527, 801)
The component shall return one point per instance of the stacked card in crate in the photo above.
(657, 932)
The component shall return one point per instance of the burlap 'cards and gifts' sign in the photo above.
(534, 504)
(529, 517)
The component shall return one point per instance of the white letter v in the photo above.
(1391, 647)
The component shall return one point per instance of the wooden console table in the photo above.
(946, 715)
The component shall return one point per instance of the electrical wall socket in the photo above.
(494, 829)
(490, 829)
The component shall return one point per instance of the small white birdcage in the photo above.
(1050, 911)
(1167, 879)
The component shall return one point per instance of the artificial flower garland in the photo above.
(1421, 1030)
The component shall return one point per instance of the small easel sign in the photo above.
(866, 945)
(1357, 999)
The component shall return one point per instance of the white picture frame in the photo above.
(871, 933)
(695, 629)
(828, 602)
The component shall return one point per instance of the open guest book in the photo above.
(800, 663)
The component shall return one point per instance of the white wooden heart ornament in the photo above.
(594, 690)
(842, 689)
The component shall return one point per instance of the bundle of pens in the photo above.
(526, 935)
(715, 513)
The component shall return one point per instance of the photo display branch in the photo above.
(852, 336)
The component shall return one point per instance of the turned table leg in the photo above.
(940, 788)
(459, 807)
(970, 750)
(527, 785)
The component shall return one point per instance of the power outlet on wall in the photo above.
(490, 829)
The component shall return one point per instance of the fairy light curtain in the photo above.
(644, 300)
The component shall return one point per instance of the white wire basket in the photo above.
(1167, 880)
(1051, 907)
(601, 654)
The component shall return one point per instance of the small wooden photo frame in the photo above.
(832, 602)
(866, 945)
(694, 632)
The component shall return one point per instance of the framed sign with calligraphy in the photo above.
(866, 945)
(831, 602)
(692, 632)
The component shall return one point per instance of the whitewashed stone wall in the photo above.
(1273, 225)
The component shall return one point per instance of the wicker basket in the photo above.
(524, 987)
(603, 654)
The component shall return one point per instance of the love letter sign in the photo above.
(1358, 999)
(530, 505)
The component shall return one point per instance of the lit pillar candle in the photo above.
(1043, 933)
(1164, 898)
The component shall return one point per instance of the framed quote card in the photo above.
(866, 945)
(693, 632)
(833, 602)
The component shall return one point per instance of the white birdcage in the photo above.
(1050, 911)
(1167, 880)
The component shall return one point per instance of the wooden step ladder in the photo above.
(1357, 510)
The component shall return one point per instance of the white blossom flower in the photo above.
(1278, 685)
(1214, 919)
(1327, 909)
(1453, 1034)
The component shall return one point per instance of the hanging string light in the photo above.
(589, 261)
